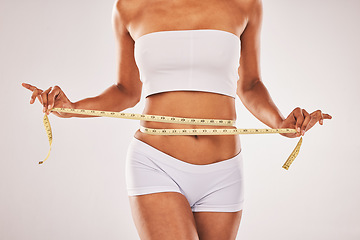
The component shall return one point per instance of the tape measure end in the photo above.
(41, 162)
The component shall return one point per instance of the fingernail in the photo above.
(298, 129)
(303, 132)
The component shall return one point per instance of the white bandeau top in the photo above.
(188, 60)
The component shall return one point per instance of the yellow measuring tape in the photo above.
(168, 119)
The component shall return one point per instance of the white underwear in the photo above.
(216, 187)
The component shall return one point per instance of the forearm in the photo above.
(115, 98)
(258, 101)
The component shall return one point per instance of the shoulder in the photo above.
(128, 10)
(254, 11)
(128, 6)
(250, 7)
(256, 7)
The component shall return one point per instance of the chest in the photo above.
(159, 15)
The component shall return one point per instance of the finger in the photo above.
(321, 120)
(28, 86)
(40, 99)
(312, 122)
(298, 115)
(44, 97)
(55, 92)
(35, 94)
(327, 116)
(306, 121)
(324, 116)
(318, 116)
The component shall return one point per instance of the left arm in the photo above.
(252, 91)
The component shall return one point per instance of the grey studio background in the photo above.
(309, 58)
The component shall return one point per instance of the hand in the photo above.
(50, 98)
(302, 121)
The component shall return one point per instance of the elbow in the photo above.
(134, 96)
(131, 97)
(135, 100)
(245, 86)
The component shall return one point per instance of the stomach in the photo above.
(194, 149)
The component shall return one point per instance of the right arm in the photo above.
(123, 94)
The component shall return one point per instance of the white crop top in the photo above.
(188, 60)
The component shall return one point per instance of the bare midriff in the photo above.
(194, 149)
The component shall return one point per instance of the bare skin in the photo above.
(168, 215)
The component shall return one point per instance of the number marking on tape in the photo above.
(170, 119)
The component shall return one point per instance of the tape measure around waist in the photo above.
(179, 120)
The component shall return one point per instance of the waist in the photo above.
(196, 149)
(189, 104)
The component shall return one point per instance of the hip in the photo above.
(201, 150)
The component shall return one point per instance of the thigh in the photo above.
(217, 225)
(165, 215)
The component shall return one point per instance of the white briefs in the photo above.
(216, 187)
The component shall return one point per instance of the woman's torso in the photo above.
(147, 16)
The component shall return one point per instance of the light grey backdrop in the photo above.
(309, 58)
